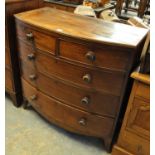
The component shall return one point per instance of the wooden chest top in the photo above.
(85, 28)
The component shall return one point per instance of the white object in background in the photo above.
(85, 10)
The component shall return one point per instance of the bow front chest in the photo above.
(75, 69)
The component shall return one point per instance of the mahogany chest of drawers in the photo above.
(75, 69)
(12, 74)
(134, 137)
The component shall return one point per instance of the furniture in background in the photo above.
(71, 7)
(134, 137)
(75, 71)
(12, 73)
(143, 6)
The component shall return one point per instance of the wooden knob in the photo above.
(33, 97)
(91, 56)
(82, 121)
(31, 56)
(29, 36)
(32, 77)
(87, 78)
(85, 100)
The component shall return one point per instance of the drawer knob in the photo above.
(85, 100)
(29, 36)
(82, 121)
(33, 97)
(31, 56)
(87, 78)
(32, 77)
(91, 56)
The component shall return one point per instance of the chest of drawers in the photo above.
(75, 69)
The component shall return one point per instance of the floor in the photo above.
(27, 133)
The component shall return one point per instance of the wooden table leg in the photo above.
(142, 7)
(119, 7)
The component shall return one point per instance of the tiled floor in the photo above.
(27, 133)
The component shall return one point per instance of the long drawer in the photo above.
(110, 82)
(29, 73)
(82, 122)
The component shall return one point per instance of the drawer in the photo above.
(29, 92)
(25, 51)
(37, 39)
(91, 101)
(8, 80)
(7, 58)
(82, 122)
(110, 82)
(28, 72)
(99, 56)
(143, 90)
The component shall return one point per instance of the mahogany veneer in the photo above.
(75, 69)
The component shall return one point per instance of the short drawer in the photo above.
(110, 82)
(37, 39)
(8, 80)
(91, 101)
(99, 56)
(82, 122)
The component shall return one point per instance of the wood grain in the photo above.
(134, 137)
(92, 29)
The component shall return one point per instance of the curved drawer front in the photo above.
(28, 72)
(100, 56)
(25, 50)
(91, 101)
(86, 77)
(41, 41)
(81, 121)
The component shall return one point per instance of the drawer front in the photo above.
(91, 101)
(103, 81)
(8, 80)
(25, 51)
(7, 58)
(37, 39)
(143, 90)
(28, 72)
(104, 57)
(81, 121)
(29, 92)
